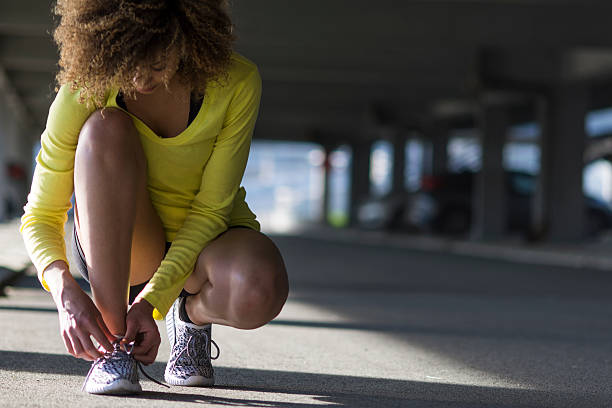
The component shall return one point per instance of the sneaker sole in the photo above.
(121, 387)
(195, 381)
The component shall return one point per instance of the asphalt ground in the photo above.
(366, 325)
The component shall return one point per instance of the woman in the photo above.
(151, 130)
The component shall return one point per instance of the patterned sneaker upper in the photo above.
(107, 373)
(190, 353)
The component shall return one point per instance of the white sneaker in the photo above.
(115, 372)
(189, 363)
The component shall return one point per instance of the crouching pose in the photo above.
(150, 130)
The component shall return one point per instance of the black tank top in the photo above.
(194, 106)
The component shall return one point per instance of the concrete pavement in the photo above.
(366, 326)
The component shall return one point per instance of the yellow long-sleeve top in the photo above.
(193, 178)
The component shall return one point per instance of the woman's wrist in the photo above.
(143, 304)
(58, 278)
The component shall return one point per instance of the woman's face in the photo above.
(163, 65)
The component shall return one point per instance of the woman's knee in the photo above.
(258, 291)
(109, 135)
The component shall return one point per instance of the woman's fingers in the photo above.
(147, 353)
(80, 320)
(88, 347)
(77, 339)
(77, 346)
(144, 342)
(148, 357)
(131, 331)
(84, 333)
(147, 344)
(68, 344)
(142, 330)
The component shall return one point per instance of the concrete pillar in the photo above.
(562, 144)
(489, 219)
(4, 140)
(437, 160)
(416, 164)
(15, 150)
(539, 204)
(399, 163)
(16, 154)
(327, 149)
(360, 176)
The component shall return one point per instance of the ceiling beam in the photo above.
(388, 24)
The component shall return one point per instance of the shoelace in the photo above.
(109, 355)
(218, 351)
(186, 349)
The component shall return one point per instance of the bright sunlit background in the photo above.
(285, 180)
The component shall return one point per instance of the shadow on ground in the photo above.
(333, 390)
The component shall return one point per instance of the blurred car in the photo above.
(444, 205)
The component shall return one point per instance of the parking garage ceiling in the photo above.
(327, 65)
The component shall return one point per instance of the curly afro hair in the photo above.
(103, 42)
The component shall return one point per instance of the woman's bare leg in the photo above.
(120, 232)
(239, 280)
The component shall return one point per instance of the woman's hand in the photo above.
(79, 321)
(142, 330)
(79, 318)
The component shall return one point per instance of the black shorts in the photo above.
(81, 264)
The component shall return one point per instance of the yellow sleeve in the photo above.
(210, 211)
(42, 224)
